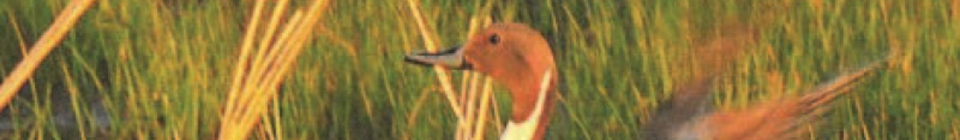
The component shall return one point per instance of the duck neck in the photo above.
(533, 101)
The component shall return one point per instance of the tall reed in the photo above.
(64, 23)
(252, 91)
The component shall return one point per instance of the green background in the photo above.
(162, 68)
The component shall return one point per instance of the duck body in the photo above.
(520, 59)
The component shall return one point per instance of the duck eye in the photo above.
(494, 39)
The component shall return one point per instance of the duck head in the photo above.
(516, 56)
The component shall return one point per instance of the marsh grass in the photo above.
(164, 67)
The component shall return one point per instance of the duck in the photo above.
(519, 58)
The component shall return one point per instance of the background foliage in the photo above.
(161, 68)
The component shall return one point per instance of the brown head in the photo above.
(515, 56)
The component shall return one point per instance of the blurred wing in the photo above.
(779, 119)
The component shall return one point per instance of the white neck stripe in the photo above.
(526, 129)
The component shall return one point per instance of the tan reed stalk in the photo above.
(496, 114)
(441, 73)
(252, 92)
(266, 132)
(467, 129)
(477, 122)
(488, 85)
(469, 94)
(250, 98)
(484, 108)
(260, 60)
(464, 83)
(276, 118)
(237, 124)
(245, 48)
(274, 21)
(284, 35)
(463, 128)
(245, 86)
(285, 63)
(64, 22)
(471, 105)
